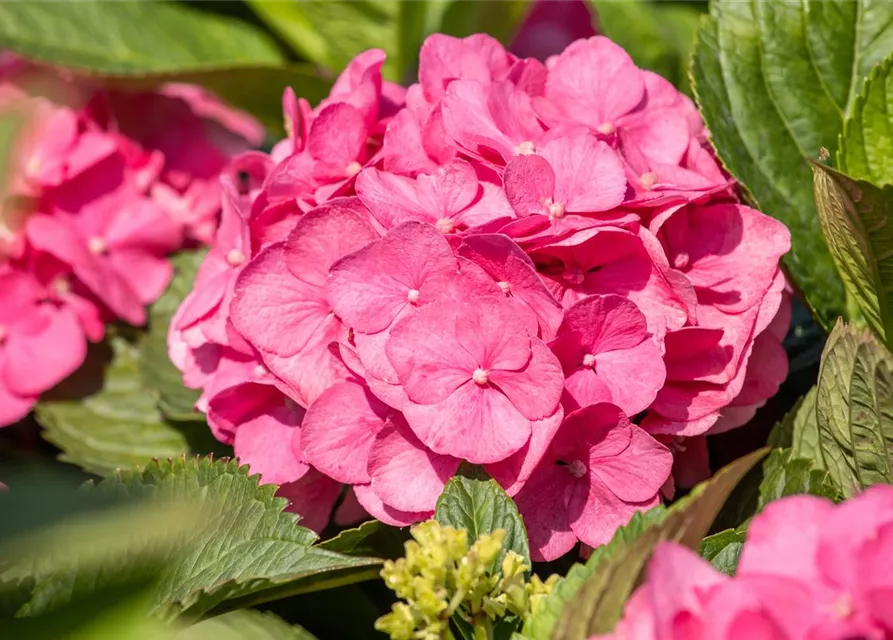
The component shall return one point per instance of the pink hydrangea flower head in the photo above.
(599, 470)
(33, 330)
(475, 378)
(444, 59)
(608, 356)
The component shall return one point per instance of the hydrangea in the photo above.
(101, 187)
(535, 267)
(809, 569)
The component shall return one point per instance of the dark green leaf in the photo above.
(658, 36)
(473, 501)
(723, 549)
(857, 223)
(591, 598)
(117, 426)
(158, 372)
(141, 44)
(866, 145)
(374, 539)
(775, 81)
(248, 551)
(501, 20)
(784, 475)
(854, 409)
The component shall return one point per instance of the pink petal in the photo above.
(543, 503)
(475, 423)
(387, 514)
(312, 497)
(13, 407)
(391, 198)
(405, 474)
(536, 389)
(339, 431)
(589, 176)
(636, 474)
(605, 323)
(33, 364)
(595, 512)
(529, 183)
(146, 275)
(634, 376)
(337, 135)
(513, 472)
(443, 59)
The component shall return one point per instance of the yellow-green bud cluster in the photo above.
(440, 576)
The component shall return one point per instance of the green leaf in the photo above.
(658, 36)
(158, 372)
(242, 624)
(856, 221)
(723, 549)
(249, 550)
(141, 44)
(591, 598)
(117, 426)
(784, 475)
(462, 18)
(854, 409)
(473, 501)
(775, 81)
(373, 538)
(866, 145)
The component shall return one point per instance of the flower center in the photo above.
(481, 377)
(589, 360)
(526, 148)
(353, 169)
(505, 287)
(97, 246)
(606, 128)
(556, 209)
(844, 608)
(260, 370)
(444, 225)
(574, 275)
(235, 257)
(681, 260)
(648, 180)
(62, 286)
(413, 296)
(577, 469)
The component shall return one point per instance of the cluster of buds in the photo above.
(441, 577)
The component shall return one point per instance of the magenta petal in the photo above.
(589, 176)
(405, 474)
(337, 135)
(339, 430)
(634, 376)
(595, 512)
(391, 198)
(496, 338)
(312, 497)
(514, 471)
(13, 407)
(475, 423)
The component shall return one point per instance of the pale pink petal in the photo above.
(595, 512)
(589, 176)
(636, 474)
(536, 389)
(387, 514)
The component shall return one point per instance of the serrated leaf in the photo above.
(243, 624)
(473, 501)
(373, 538)
(175, 400)
(723, 549)
(866, 145)
(249, 550)
(857, 222)
(657, 36)
(117, 426)
(591, 598)
(775, 81)
(147, 43)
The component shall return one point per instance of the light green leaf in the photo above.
(854, 409)
(158, 372)
(785, 475)
(248, 551)
(857, 223)
(244, 624)
(723, 549)
(866, 145)
(332, 32)
(117, 426)
(140, 44)
(591, 598)
(775, 81)
(473, 501)
(658, 36)
(462, 18)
